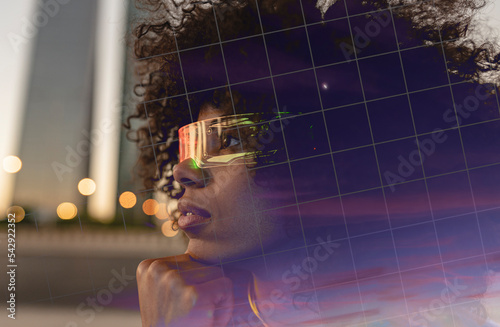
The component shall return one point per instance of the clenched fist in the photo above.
(178, 291)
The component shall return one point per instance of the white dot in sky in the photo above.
(324, 86)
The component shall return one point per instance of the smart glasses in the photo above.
(220, 141)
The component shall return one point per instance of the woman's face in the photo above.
(221, 209)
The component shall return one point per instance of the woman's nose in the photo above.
(188, 174)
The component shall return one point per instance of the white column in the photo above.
(108, 89)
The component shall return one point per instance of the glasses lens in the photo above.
(218, 141)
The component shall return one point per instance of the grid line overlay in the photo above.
(317, 67)
(285, 29)
(376, 159)
(420, 157)
(334, 168)
(373, 145)
(286, 149)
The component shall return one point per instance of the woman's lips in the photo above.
(191, 215)
(193, 220)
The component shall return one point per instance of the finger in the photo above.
(192, 271)
(222, 298)
(201, 275)
(213, 305)
(175, 298)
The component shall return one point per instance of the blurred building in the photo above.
(56, 133)
(81, 81)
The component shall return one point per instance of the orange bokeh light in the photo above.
(162, 212)
(86, 186)
(67, 210)
(18, 213)
(12, 164)
(166, 229)
(150, 207)
(127, 200)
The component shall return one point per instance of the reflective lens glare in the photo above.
(219, 141)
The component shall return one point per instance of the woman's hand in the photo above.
(178, 291)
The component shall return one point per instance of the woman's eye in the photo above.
(228, 141)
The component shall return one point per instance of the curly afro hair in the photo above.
(199, 27)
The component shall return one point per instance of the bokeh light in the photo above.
(166, 229)
(86, 186)
(67, 210)
(150, 207)
(18, 212)
(162, 212)
(127, 200)
(12, 164)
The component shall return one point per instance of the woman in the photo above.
(310, 159)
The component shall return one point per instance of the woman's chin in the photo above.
(203, 252)
(210, 253)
